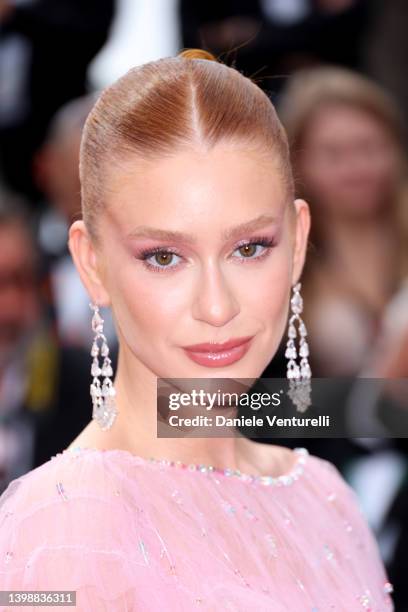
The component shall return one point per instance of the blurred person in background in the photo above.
(389, 357)
(270, 39)
(347, 148)
(377, 467)
(19, 313)
(385, 52)
(44, 387)
(345, 136)
(388, 364)
(56, 171)
(33, 85)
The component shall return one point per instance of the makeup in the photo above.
(215, 355)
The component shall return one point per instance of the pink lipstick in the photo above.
(215, 355)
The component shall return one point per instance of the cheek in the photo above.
(154, 309)
(386, 171)
(148, 307)
(327, 183)
(266, 293)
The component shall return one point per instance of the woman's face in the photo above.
(174, 266)
(348, 161)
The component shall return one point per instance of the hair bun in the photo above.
(197, 54)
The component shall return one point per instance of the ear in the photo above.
(88, 263)
(302, 229)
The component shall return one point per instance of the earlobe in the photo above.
(85, 260)
(302, 230)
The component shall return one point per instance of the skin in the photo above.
(208, 292)
(348, 161)
(351, 166)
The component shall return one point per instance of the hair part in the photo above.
(170, 105)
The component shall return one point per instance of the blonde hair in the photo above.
(311, 89)
(169, 104)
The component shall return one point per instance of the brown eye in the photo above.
(163, 258)
(159, 259)
(247, 249)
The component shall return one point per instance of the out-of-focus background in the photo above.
(335, 69)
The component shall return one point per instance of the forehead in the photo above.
(343, 121)
(225, 182)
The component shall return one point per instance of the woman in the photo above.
(191, 234)
(345, 135)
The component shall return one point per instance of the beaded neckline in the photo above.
(289, 478)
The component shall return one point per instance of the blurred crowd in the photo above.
(335, 71)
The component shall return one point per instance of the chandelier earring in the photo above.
(298, 373)
(103, 394)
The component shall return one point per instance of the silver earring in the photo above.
(103, 396)
(298, 374)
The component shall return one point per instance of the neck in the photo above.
(135, 427)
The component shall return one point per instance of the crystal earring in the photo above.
(299, 375)
(103, 396)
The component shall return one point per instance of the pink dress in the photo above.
(133, 534)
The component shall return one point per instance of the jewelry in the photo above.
(103, 397)
(299, 375)
(287, 479)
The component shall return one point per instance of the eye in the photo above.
(249, 250)
(162, 259)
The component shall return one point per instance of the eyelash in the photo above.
(264, 241)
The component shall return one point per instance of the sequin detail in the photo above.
(203, 534)
(365, 600)
(9, 556)
(61, 491)
(287, 479)
(388, 587)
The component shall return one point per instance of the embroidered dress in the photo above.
(134, 534)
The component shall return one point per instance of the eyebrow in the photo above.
(143, 231)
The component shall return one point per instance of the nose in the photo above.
(215, 302)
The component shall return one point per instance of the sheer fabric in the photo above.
(128, 534)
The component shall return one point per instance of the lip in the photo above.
(216, 355)
(212, 347)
